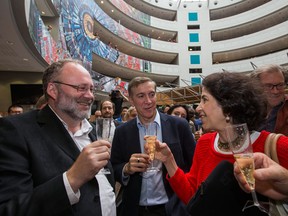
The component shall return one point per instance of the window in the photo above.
(196, 80)
(194, 48)
(195, 70)
(193, 16)
(193, 27)
(194, 37)
(194, 59)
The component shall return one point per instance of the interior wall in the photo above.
(13, 77)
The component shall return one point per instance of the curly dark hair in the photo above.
(240, 97)
(169, 112)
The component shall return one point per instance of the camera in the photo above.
(114, 93)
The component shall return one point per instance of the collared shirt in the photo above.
(153, 191)
(107, 195)
(270, 122)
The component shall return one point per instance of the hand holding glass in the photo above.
(103, 132)
(240, 144)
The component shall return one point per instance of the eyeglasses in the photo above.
(279, 86)
(80, 88)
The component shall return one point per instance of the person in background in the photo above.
(131, 113)
(271, 178)
(117, 97)
(227, 98)
(198, 122)
(166, 108)
(198, 126)
(179, 110)
(122, 115)
(191, 120)
(50, 158)
(98, 114)
(147, 193)
(273, 82)
(107, 109)
(15, 109)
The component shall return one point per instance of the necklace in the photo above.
(223, 146)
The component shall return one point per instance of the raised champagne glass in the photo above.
(240, 144)
(150, 137)
(103, 132)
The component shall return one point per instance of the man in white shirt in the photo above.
(50, 159)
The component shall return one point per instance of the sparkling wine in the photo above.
(151, 146)
(246, 165)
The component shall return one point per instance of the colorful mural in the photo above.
(78, 39)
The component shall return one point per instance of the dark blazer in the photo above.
(35, 151)
(176, 133)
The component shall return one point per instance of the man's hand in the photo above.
(92, 158)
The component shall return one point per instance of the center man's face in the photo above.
(144, 99)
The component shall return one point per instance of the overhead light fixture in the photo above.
(25, 59)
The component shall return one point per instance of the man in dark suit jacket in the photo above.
(130, 161)
(49, 157)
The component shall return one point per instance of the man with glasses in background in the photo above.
(273, 80)
(49, 158)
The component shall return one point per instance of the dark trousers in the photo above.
(157, 210)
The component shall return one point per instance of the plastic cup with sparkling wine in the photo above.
(103, 132)
(150, 137)
(238, 137)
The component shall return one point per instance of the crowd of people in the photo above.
(51, 159)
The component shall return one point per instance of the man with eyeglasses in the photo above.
(273, 80)
(50, 159)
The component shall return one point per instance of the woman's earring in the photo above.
(227, 119)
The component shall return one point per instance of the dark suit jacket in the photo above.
(175, 132)
(35, 151)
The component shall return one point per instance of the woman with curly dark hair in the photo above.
(227, 98)
(180, 110)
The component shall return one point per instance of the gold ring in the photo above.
(138, 160)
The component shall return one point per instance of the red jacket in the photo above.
(206, 158)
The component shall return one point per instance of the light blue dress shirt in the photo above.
(153, 190)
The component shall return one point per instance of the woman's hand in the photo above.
(164, 154)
